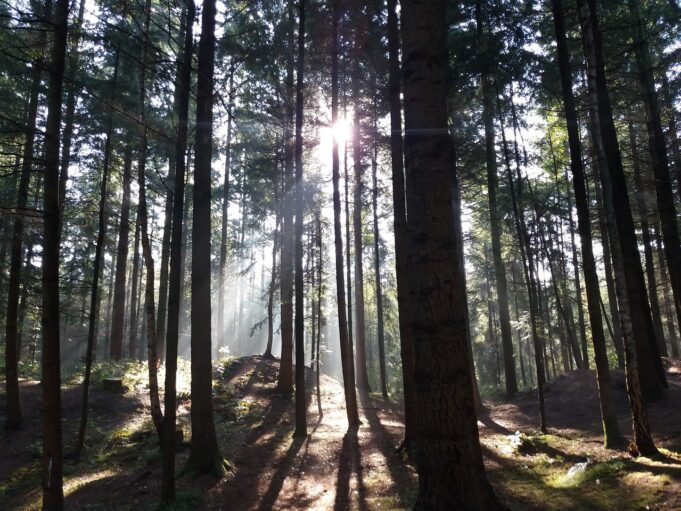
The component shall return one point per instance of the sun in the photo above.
(341, 131)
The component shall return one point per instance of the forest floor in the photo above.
(567, 469)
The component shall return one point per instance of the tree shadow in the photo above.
(285, 465)
(350, 460)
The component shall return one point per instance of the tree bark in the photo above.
(183, 85)
(345, 348)
(639, 337)
(299, 331)
(612, 436)
(134, 294)
(492, 191)
(450, 467)
(99, 247)
(53, 494)
(204, 456)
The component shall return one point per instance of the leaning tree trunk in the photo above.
(99, 246)
(611, 431)
(345, 350)
(450, 466)
(204, 456)
(175, 269)
(53, 494)
(299, 330)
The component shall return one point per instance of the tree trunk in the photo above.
(668, 307)
(53, 494)
(639, 337)
(345, 348)
(149, 306)
(492, 190)
(647, 243)
(118, 315)
(400, 228)
(285, 383)
(659, 160)
(204, 456)
(134, 294)
(273, 281)
(183, 85)
(225, 214)
(99, 246)
(377, 267)
(450, 467)
(14, 417)
(612, 436)
(299, 331)
(360, 323)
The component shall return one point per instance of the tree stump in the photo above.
(113, 384)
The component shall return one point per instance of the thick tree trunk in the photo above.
(450, 467)
(99, 248)
(400, 228)
(299, 330)
(639, 337)
(345, 348)
(165, 262)
(668, 307)
(53, 495)
(204, 456)
(486, 81)
(183, 85)
(612, 435)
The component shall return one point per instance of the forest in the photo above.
(334, 254)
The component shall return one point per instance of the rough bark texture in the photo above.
(451, 472)
(204, 456)
(52, 477)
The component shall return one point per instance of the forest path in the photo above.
(329, 469)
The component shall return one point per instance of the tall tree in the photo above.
(611, 431)
(93, 319)
(400, 227)
(183, 84)
(346, 353)
(204, 456)
(450, 467)
(52, 462)
(486, 84)
(301, 405)
(639, 337)
(11, 316)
